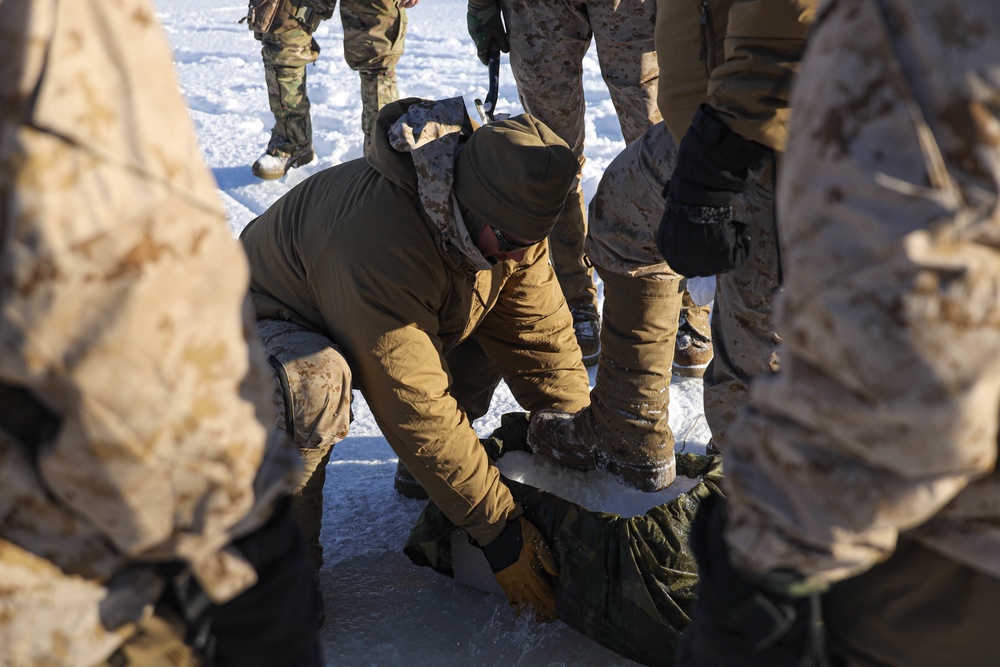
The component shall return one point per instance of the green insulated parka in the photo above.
(373, 254)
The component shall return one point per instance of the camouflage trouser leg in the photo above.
(548, 41)
(374, 35)
(377, 90)
(286, 52)
(625, 214)
(742, 332)
(312, 397)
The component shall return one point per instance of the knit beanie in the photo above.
(516, 174)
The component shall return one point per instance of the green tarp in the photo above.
(628, 583)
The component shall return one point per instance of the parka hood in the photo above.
(432, 133)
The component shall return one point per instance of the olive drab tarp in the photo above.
(628, 583)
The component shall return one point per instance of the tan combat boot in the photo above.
(693, 349)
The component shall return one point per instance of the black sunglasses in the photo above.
(507, 246)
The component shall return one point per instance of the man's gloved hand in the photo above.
(522, 562)
(698, 235)
(738, 622)
(487, 29)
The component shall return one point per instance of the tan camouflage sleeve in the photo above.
(884, 417)
(122, 295)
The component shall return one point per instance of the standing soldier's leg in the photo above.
(626, 427)
(548, 41)
(742, 332)
(312, 394)
(286, 51)
(374, 35)
(624, 36)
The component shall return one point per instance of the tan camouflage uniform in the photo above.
(725, 53)
(374, 33)
(548, 41)
(880, 433)
(109, 235)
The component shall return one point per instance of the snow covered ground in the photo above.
(381, 609)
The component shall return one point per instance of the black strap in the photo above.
(286, 394)
(26, 419)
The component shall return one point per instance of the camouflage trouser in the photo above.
(312, 397)
(638, 336)
(742, 332)
(374, 32)
(625, 214)
(548, 41)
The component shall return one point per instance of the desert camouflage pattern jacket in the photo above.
(883, 421)
(131, 423)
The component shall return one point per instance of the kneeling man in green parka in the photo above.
(418, 276)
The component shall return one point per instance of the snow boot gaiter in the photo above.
(626, 424)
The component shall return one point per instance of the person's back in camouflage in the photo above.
(374, 34)
(143, 500)
(862, 481)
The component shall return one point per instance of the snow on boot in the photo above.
(693, 350)
(552, 435)
(270, 167)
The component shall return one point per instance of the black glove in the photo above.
(698, 235)
(487, 29)
(741, 623)
(272, 623)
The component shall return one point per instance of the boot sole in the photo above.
(648, 479)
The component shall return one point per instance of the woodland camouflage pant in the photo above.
(374, 32)
(548, 41)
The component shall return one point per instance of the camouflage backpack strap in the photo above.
(26, 419)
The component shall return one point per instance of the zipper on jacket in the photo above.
(707, 27)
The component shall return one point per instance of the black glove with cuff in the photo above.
(741, 622)
(698, 235)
